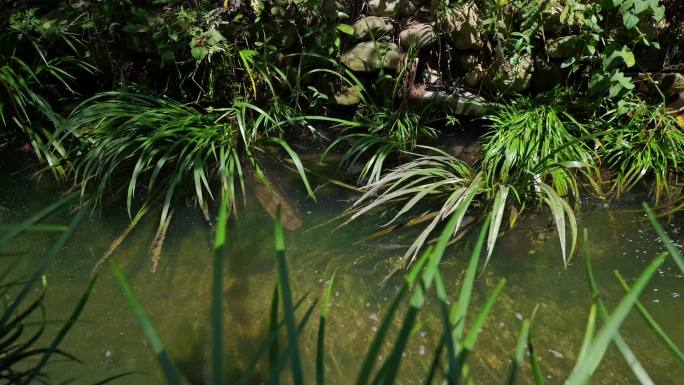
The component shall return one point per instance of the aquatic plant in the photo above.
(643, 144)
(449, 358)
(164, 146)
(533, 156)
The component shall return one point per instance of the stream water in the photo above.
(177, 296)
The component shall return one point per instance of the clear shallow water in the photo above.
(177, 297)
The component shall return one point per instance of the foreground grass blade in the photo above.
(519, 355)
(273, 328)
(374, 350)
(170, 373)
(631, 359)
(669, 245)
(654, 325)
(45, 261)
(217, 296)
(15, 230)
(585, 368)
(320, 344)
(292, 336)
(63, 331)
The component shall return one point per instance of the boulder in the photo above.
(372, 27)
(565, 47)
(391, 8)
(473, 78)
(347, 96)
(370, 56)
(459, 102)
(417, 35)
(461, 27)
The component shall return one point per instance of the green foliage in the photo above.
(533, 155)
(37, 57)
(165, 145)
(645, 143)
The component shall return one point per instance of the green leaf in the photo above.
(585, 367)
(345, 28)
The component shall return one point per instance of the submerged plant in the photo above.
(160, 146)
(646, 143)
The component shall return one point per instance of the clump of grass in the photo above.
(644, 144)
(533, 156)
(161, 146)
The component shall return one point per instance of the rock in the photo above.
(470, 61)
(370, 56)
(372, 27)
(347, 96)
(473, 78)
(564, 47)
(431, 77)
(510, 78)
(459, 102)
(418, 35)
(391, 8)
(671, 83)
(461, 26)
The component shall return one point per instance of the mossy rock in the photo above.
(370, 56)
(461, 26)
(372, 27)
(418, 35)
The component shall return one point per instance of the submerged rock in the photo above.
(391, 8)
(418, 35)
(461, 26)
(370, 56)
(372, 27)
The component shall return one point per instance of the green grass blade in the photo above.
(292, 337)
(168, 369)
(273, 327)
(519, 355)
(460, 310)
(45, 261)
(669, 245)
(217, 295)
(629, 356)
(671, 346)
(28, 223)
(320, 343)
(63, 330)
(585, 368)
